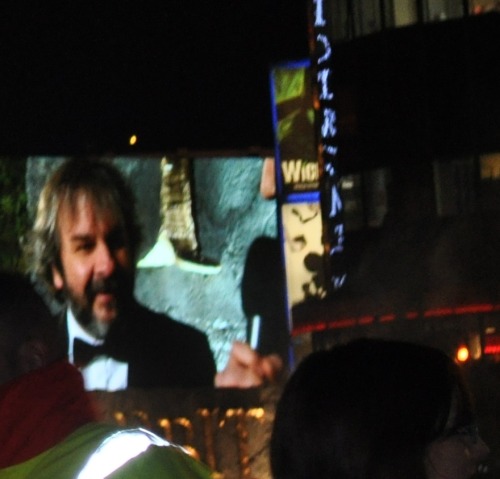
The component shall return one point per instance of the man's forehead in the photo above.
(82, 211)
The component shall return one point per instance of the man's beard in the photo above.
(83, 308)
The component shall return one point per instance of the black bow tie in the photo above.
(84, 353)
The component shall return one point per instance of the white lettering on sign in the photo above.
(319, 21)
(327, 117)
(323, 77)
(336, 203)
(330, 169)
(339, 231)
(338, 281)
(331, 150)
(321, 38)
(328, 128)
(296, 171)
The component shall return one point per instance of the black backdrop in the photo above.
(82, 75)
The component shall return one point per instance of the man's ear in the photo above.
(33, 354)
(57, 278)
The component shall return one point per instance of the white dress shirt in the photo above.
(103, 373)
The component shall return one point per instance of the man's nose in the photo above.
(105, 261)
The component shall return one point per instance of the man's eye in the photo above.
(84, 247)
(116, 241)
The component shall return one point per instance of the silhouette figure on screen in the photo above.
(263, 297)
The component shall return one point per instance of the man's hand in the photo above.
(246, 368)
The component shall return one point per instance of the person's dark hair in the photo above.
(366, 410)
(25, 318)
(107, 189)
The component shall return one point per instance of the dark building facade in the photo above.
(417, 114)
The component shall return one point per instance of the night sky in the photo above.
(81, 76)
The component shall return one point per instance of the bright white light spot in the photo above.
(118, 449)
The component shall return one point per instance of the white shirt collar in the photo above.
(103, 373)
(75, 330)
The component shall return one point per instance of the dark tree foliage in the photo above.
(13, 212)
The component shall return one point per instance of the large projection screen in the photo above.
(235, 226)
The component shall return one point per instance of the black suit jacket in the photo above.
(160, 352)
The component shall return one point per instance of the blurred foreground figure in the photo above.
(48, 427)
(375, 409)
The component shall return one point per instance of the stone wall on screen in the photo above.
(230, 214)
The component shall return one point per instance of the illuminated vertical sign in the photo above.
(321, 52)
(311, 206)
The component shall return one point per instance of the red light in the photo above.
(492, 344)
(344, 323)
